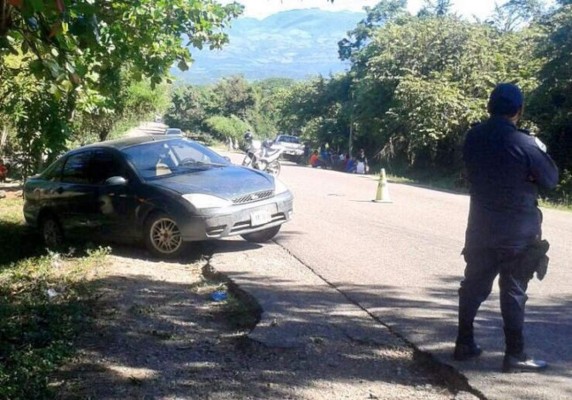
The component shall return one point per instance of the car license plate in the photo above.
(260, 217)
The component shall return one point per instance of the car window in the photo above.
(187, 151)
(156, 159)
(145, 158)
(54, 171)
(103, 165)
(289, 139)
(76, 168)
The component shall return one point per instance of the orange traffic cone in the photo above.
(382, 195)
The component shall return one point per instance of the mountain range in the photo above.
(294, 44)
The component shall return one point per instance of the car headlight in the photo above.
(279, 187)
(200, 201)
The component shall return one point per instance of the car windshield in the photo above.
(153, 160)
(289, 139)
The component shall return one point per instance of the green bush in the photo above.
(223, 127)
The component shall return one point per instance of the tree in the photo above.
(319, 110)
(515, 14)
(551, 103)
(435, 9)
(85, 54)
(223, 128)
(71, 38)
(190, 106)
(383, 12)
(235, 96)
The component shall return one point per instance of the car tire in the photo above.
(163, 237)
(52, 232)
(262, 236)
(273, 168)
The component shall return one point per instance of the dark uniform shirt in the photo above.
(505, 167)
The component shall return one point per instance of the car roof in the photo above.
(123, 143)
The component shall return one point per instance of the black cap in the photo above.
(505, 99)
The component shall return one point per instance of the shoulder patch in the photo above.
(540, 145)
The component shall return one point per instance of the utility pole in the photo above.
(351, 138)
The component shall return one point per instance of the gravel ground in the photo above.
(159, 335)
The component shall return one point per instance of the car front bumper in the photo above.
(238, 219)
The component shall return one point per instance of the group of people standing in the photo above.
(339, 161)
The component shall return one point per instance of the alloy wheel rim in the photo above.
(165, 236)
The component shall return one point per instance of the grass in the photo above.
(564, 205)
(122, 126)
(44, 303)
(432, 181)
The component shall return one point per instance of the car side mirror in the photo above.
(116, 181)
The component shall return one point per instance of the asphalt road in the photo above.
(400, 262)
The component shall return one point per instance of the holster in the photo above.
(535, 260)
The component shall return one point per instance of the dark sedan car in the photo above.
(164, 191)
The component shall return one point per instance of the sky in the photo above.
(263, 8)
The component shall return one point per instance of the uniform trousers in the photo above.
(483, 266)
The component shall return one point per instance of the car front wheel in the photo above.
(163, 237)
(262, 236)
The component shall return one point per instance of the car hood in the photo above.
(226, 182)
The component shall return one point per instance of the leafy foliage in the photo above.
(228, 108)
(436, 74)
(235, 96)
(226, 127)
(383, 12)
(551, 101)
(70, 69)
(71, 39)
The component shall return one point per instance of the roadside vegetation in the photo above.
(77, 72)
(44, 303)
(48, 300)
(416, 84)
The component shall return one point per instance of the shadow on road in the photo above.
(161, 342)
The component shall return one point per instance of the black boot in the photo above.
(466, 351)
(522, 363)
(465, 346)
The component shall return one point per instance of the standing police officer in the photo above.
(505, 167)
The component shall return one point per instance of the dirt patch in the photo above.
(158, 334)
(10, 190)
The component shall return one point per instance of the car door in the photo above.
(116, 200)
(78, 203)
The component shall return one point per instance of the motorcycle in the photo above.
(263, 156)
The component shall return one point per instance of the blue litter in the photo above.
(219, 295)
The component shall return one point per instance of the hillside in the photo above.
(293, 44)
